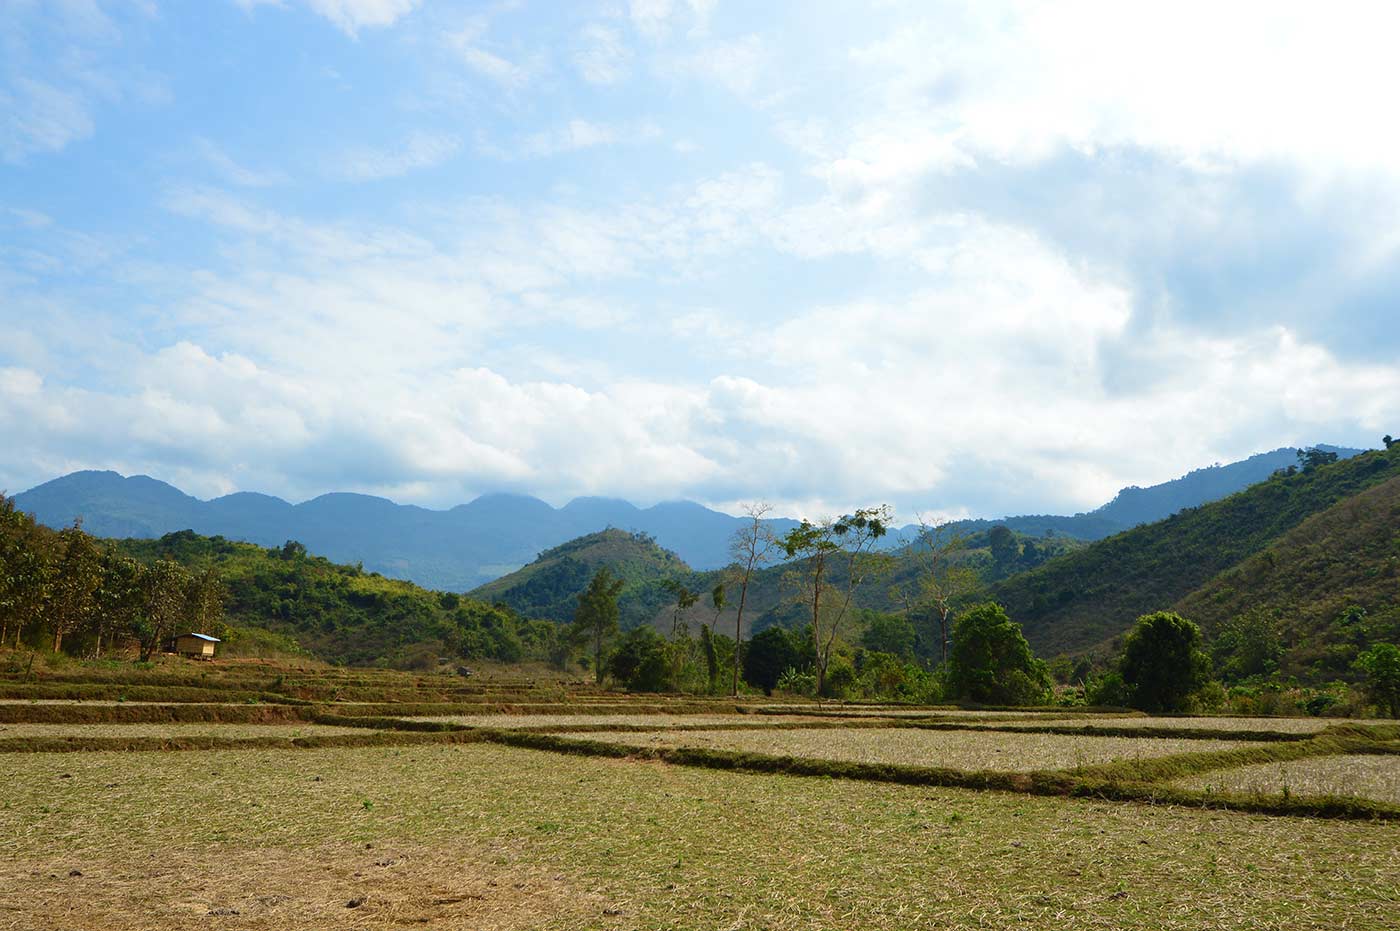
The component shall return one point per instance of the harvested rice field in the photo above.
(1279, 725)
(85, 731)
(1368, 776)
(486, 837)
(963, 750)
(641, 720)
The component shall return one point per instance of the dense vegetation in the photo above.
(67, 589)
(1089, 597)
(549, 587)
(1321, 592)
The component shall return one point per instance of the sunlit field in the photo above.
(1364, 776)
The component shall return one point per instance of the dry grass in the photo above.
(961, 750)
(1367, 776)
(1226, 723)
(86, 731)
(641, 720)
(487, 837)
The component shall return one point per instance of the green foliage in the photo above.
(840, 679)
(595, 618)
(1163, 665)
(1081, 600)
(642, 662)
(549, 586)
(1248, 645)
(1108, 691)
(888, 633)
(1381, 665)
(769, 653)
(797, 682)
(991, 662)
(885, 676)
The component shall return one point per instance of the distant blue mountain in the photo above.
(471, 544)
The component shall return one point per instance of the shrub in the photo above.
(768, 655)
(1163, 664)
(840, 678)
(641, 662)
(1381, 666)
(991, 662)
(1107, 690)
(795, 682)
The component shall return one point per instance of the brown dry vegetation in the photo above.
(487, 837)
(1368, 776)
(962, 750)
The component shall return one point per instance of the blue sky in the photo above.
(973, 258)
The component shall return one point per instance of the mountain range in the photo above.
(472, 544)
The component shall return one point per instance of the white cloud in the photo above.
(37, 117)
(420, 150)
(502, 71)
(232, 171)
(602, 57)
(349, 16)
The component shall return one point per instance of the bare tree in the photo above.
(944, 578)
(846, 543)
(752, 547)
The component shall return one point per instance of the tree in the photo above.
(640, 662)
(846, 543)
(77, 576)
(1381, 665)
(1248, 645)
(708, 637)
(889, 633)
(1002, 543)
(752, 547)
(204, 600)
(26, 571)
(991, 662)
(120, 598)
(1312, 457)
(165, 585)
(1388, 440)
(944, 578)
(1163, 665)
(770, 654)
(595, 618)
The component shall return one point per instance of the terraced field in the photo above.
(253, 796)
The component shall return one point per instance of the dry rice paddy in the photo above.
(1375, 777)
(85, 731)
(485, 837)
(964, 750)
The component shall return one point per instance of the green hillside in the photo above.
(1086, 598)
(549, 586)
(1332, 584)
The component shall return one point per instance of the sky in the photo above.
(966, 259)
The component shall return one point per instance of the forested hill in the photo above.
(1326, 589)
(549, 587)
(1083, 599)
(344, 614)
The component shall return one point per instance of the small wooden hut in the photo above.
(199, 646)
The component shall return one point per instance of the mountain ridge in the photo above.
(474, 543)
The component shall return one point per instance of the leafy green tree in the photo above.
(1381, 665)
(752, 547)
(595, 619)
(889, 633)
(1248, 645)
(1312, 457)
(847, 543)
(120, 599)
(165, 584)
(1005, 552)
(769, 654)
(77, 578)
(1163, 664)
(991, 662)
(641, 662)
(26, 571)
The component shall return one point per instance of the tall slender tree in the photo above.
(846, 543)
(595, 618)
(752, 547)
